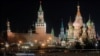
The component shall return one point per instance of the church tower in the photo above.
(40, 25)
(62, 34)
(70, 31)
(53, 36)
(84, 33)
(9, 33)
(91, 29)
(52, 32)
(78, 23)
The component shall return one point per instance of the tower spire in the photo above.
(52, 31)
(8, 26)
(62, 33)
(40, 8)
(70, 21)
(89, 17)
(62, 26)
(40, 24)
(89, 21)
(78, 19)
(78, 10)
(40, 13)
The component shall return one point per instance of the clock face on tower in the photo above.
(40, 15)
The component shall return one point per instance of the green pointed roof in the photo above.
(40, 8)
(62, 26)
(92, 23)
(70, 21)
(89, 21)
(52, 31)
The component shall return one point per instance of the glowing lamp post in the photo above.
(18, 46)
(43, 45)
(96, 45)
(35, 41)
(6, 45)
(50, 39)
(20, 42)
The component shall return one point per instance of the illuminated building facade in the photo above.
(39, 37)
(79, 31)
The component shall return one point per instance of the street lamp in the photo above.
(6, 45)
(96, 45)
(6, 48)
(20, 42)
(50, 40)
(35, 41)
(18, 46)
(43, 45)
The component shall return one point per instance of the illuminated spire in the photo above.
(89, 21)
(78, 19)
(62, 33)
(70, 22)
(40, 25)
(52, 31)
(62, 27)
(40, 14)
(78, 10)
(40, 8)
(8, 26)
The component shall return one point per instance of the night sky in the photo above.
(22, 14)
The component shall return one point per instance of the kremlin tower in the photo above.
(62, 33)
(9, 33)
(40, 25)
